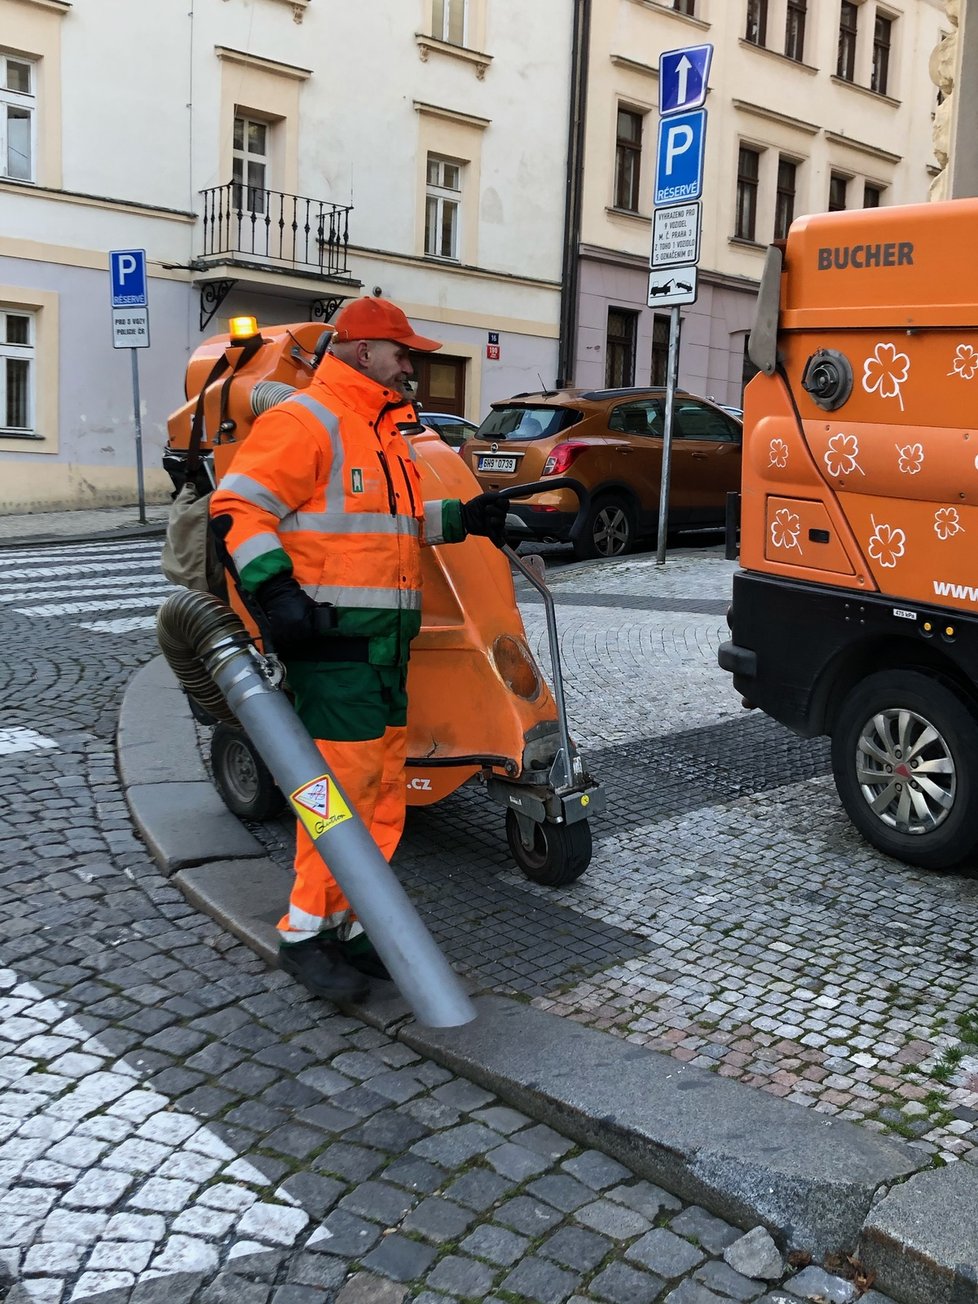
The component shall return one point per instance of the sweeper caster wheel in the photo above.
(560, 853)
(242, 777)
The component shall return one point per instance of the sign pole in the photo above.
(676, 219)
(134, 353)
(128, 289)
(673, 367)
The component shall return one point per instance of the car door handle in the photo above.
(700, 457)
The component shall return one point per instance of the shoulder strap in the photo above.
(197, 425)
(248, 350)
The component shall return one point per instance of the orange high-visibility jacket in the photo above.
(325, 486)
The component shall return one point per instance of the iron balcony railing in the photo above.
(283, 230)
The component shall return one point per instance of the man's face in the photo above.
(388, 363)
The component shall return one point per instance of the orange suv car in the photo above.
(610, 440)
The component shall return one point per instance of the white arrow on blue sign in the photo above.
(679, 158)
(127, 274)
(682, 78)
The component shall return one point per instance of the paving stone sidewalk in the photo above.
(180, 1123)
(731, 917)
(82, 523)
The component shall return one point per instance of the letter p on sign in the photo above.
(679, 139)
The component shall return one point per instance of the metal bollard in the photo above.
(198, 633)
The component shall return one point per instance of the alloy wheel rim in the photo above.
(905, 771)
(610, 531)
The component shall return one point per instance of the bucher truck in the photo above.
(855, 609)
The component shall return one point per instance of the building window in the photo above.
(249, 165)
(872, 195)
(882, 33)
(846, 66)
(16, 372)
(628, 159)
(757, 22)
(685, 7)
(17, 106)
(448, 21)
(443, 199)
(620, 357)
(838, 186)
(794, 31)
(784, 204)
(748, 167)
(660, 349)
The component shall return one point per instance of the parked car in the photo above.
(454, 430)
(610, 440)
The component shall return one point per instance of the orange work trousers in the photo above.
(334, 701)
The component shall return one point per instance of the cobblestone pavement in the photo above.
(179, 1123)
(731, 917)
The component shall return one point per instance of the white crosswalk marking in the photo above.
(120, 581)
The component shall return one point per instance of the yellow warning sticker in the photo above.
(319, 806)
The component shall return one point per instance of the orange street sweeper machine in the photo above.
(855, 613)
(480, 708)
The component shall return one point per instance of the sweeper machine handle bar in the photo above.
(544, 486)
(564, 775)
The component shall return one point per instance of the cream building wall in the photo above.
(759, 98)
(133, 107)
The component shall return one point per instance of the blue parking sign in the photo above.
(127, 274)
(682, 78)
(679, 158)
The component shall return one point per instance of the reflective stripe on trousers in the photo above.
(372, 775)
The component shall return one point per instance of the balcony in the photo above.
(276, 230)
(265, 239)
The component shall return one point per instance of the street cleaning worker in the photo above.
(322, 519)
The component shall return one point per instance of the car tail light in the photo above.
(563, 457)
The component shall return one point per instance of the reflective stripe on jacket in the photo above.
(325, 486)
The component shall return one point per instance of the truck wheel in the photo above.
(560, 853)
(905, 760)
(242, 777)
(609, 530)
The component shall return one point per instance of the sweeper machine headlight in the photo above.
(515, 667)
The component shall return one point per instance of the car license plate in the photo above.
(487, 463)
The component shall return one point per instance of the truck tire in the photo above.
(905, 761)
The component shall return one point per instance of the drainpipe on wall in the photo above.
(954, 70)
(964, 154)
(569, 274)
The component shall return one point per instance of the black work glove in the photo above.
(486, 515)
(294, 620)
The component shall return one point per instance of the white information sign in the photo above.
(672, 286)
(130, 328)
(676, 235)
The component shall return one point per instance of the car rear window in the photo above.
(526, 422)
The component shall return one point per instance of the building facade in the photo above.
(812, 105)
(272, 157)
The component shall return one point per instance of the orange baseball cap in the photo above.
(378, 319)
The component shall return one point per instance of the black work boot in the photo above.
(362, 954)
(319, 965)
